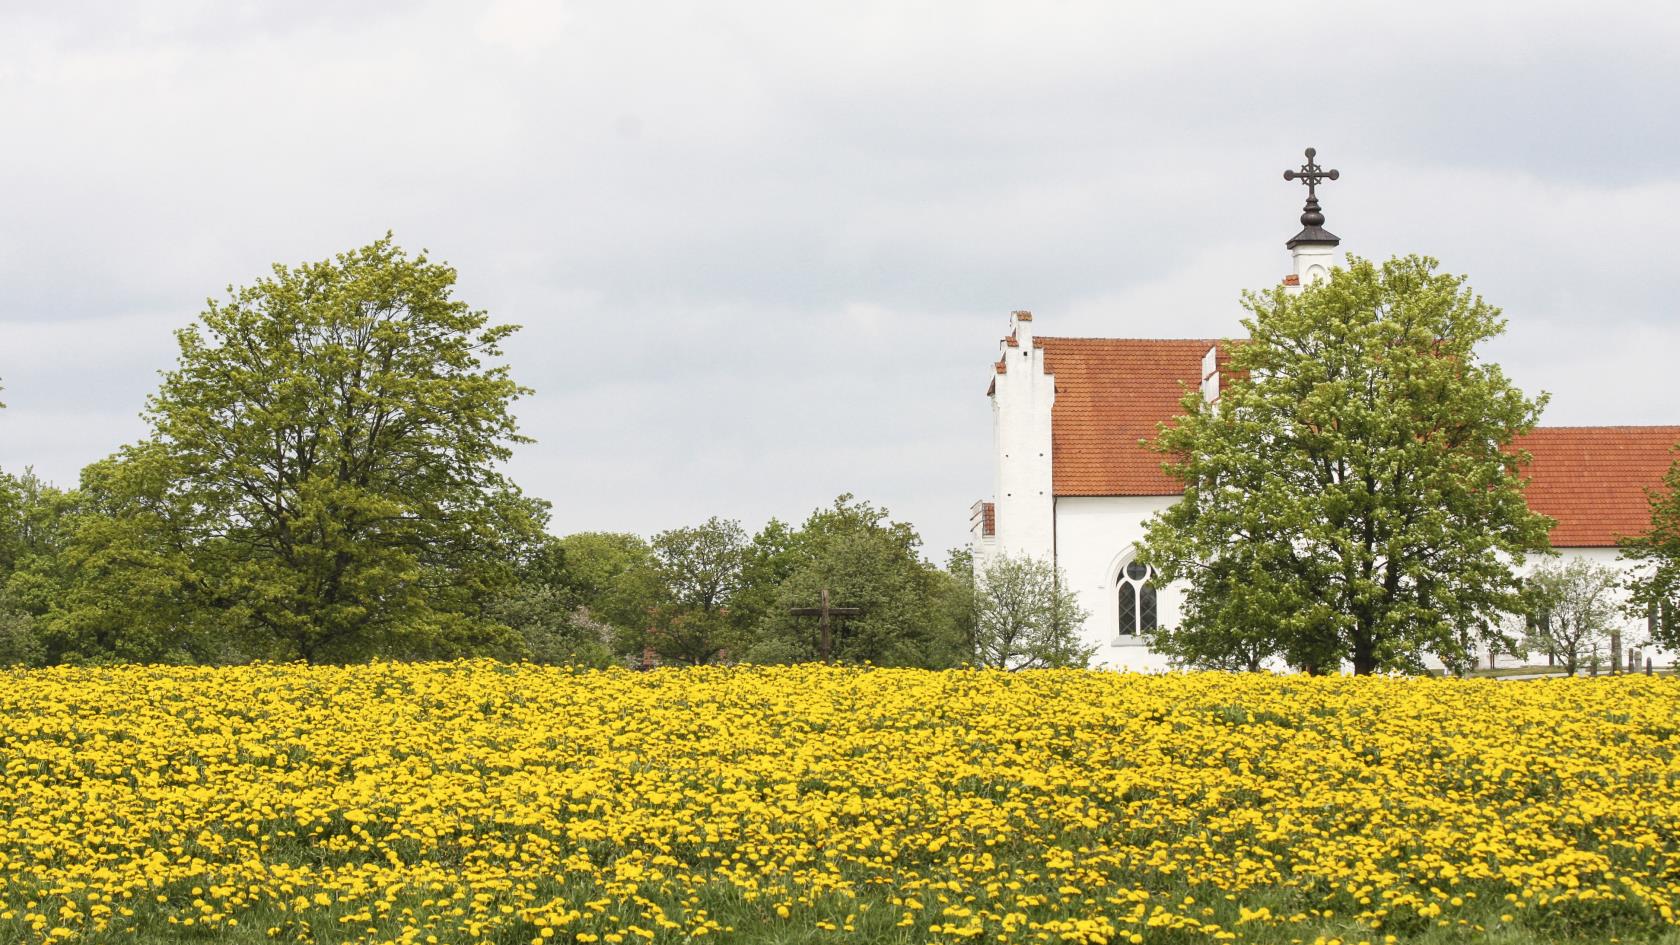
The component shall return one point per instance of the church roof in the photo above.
(1593, 479)
(1111, 393)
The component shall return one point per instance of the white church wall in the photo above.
(1094, 541)
(1021, 404)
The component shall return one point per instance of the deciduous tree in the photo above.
(1026, 617)
(333, 438)
(866, 561)
(1570, 607)
(1353, 495)
(701, 570)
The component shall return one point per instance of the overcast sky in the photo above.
(763, 252)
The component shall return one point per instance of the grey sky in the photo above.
(763, 252)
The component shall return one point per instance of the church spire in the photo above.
(1314, 248)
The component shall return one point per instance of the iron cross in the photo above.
(825, 639)
(1312, 175)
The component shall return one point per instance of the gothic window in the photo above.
(1137, 599)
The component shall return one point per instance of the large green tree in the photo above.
(328, 451)
(1656, 583)
(1353, 494)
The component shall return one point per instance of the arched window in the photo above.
(1137, 599)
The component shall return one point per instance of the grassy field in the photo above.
(476, 802)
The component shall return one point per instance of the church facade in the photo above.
(1073, 484)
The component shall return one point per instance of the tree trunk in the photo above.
(1364, 652)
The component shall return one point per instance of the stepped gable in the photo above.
(1111, 393)
(1593, 480)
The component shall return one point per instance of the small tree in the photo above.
(614, 575)
(1353, 494)
(1570, 607)
(20, 644)
(1025, 617)
(551, 623)
(1655, 588)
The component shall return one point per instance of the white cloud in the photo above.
(524, 26)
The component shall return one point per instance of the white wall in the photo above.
(1313, 262)
(1021, 403)
(1094, 540)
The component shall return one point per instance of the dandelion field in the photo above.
(478, 802)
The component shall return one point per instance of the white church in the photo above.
(1073, 484)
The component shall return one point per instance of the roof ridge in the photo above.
(1608, 426)
(1131, 340)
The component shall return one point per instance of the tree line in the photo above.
(322, 480)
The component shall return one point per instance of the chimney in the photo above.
(1210, 375)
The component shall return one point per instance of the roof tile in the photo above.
(1110, 394)
(1593, 480)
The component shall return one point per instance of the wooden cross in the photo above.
(1312, 175)
(825, 644)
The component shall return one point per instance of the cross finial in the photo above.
(1312, 175)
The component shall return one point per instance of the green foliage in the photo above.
(550, 629)
(613, 574)
(908, 607)
(10, 503)
(1569, 607)
(122, 585)
(322, 481)
(1025, 617)
(700, 567)
(20, 644)
(581, 600)
(1655, 589)
(958, 605)
(30, 513)
(1352, 496)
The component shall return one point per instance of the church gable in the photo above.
(1110, 394)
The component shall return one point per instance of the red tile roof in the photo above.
(1593, 479)
(1110, 393)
